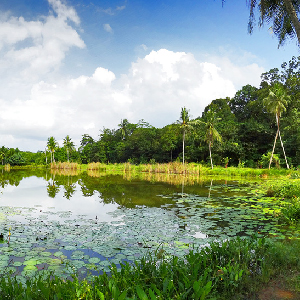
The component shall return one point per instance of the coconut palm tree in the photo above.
(282, 14)
(52, 145)
(211, 133)
(185, 125)
(276, 103)
(69, 145)
(123, 128)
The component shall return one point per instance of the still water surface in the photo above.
(53, 222)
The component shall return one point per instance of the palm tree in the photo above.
(123, 128)
(281, 13)
(3, 151)
(52, 145)
(185, 124)
(275, 103)
(69, 145)
(211, 133)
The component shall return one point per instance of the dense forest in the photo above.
(238, 131)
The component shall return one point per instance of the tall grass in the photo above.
(198, 169)
(64, 166)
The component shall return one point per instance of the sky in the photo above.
(74, 67)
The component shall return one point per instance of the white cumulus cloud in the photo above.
(34, 48)
(155, 88)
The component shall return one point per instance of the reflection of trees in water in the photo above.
(209, 191)
(69, 190)
(67, 181)
(14, 177)
(52, 187)
(126, 189)
(65, 172)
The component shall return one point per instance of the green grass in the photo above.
(178, 168)
(235, 268)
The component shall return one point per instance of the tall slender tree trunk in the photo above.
(273, 149)
(287, 165)
(277, 120)
(293, 15)
(183, 138)
(68, 154)
(209, 146)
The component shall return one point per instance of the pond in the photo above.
(83, 223)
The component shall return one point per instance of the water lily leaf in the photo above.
(94, 260)
(32, 262)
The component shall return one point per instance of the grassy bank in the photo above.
(167, 168)
(190, 169)
(234, 269)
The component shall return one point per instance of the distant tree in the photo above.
(210, 120)
(185, 125)
(276, 103)
(52, 145)
(123, 127)
(169, 138)
(16, 159)
(68, 145)
(85, 148)
(3, 151)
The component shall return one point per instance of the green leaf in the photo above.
(122, 296)
(101, 296)
(152, 295)
(142, 295)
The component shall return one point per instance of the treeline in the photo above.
(241, 132)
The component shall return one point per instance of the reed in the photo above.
(64, 166)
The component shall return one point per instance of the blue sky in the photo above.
(73, 67)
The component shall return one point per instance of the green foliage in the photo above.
(291, 212)
(265, 160)
(16, 160)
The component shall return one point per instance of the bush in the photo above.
(291, 212)
(265, 160)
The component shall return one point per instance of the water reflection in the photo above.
(126, 190)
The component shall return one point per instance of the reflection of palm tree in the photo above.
(209, 191)
(275, 103)
(52, 189)
(69, 190)
(69, 145)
